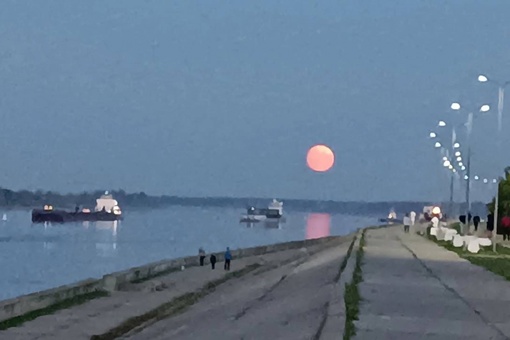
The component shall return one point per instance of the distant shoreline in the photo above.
(25, 199)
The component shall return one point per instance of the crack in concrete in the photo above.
(325, 309)
(259, 299)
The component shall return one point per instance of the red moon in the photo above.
(320, 158)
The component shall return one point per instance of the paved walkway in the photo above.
(100, 315)
(414, 289)
(288, 303)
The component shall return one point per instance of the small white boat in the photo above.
(274, 212)
(392, 217)
(4, 217)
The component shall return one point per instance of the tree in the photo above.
(504, 196)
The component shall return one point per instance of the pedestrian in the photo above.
(213, 261)
(228, 258)
(412, 215)
(476, 222)
(505, 227)
(407, 223)
(490, 225)
(201, 254)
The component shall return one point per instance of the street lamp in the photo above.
(496, 210)
(501, 95)
(455, 106)
(484, 108)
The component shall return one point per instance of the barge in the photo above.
(107, 209)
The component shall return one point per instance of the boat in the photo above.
(392, 217)
(274, 212)
(4, 217)
(107, 209)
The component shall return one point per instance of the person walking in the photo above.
(505, 227)
(476, 222)
(201, 255)
(412, 215)
(228, 258)
(213, 261)
(407, 223)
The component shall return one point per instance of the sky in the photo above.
(224, 98)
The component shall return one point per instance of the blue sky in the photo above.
(223, 98)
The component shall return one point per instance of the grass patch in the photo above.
(500, 266)
(345, 260)
(352, 297)
(172, 307)
(75, 301)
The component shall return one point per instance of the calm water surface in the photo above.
(35, 257)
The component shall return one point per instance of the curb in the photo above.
(335, 323)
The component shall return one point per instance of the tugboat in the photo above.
(107, 209)
(274, 212)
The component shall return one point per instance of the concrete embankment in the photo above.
(143, 295)
(112, 282)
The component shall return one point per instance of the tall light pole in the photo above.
(496, 209)
(455, 155)
(501, 95)
(469, 124)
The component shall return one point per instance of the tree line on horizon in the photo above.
(39, 198)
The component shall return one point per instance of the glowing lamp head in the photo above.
(482, 78)
(320, 158)
(436, 210)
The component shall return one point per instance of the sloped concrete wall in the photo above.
(111, 282)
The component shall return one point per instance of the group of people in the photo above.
(212, 258)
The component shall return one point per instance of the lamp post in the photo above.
(496, 210)
(469, 124)
(501, 95)
(456, 155)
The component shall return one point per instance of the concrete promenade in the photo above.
(287, 294)
(415, 289)
(411, 289)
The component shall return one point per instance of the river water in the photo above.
(35, 257)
